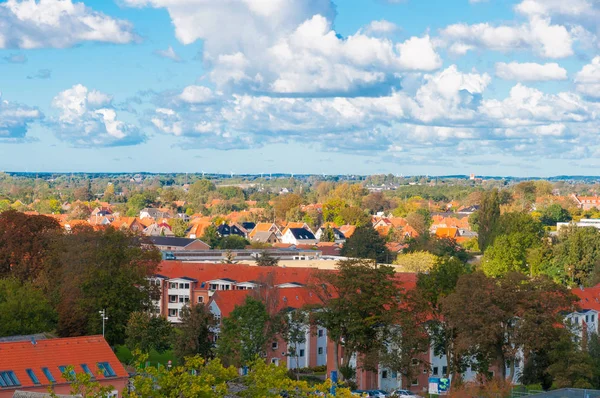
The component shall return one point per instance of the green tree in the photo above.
(211, 237)
(245, 333)
(24, 309)
(353, 216)
(555, 213)
(136, 203)
(328, 235)
(146, 332)
(199, 191)
(178, 226)
(285, 203)
(94, 270)
(193, 336)
(233, 242)
(487, 218)
(367, 243)
(332, 209)
(421, 262)
(576, 255)
(266, 259)
(195, 378)
(432, 288)
(507, 254)
(570, 365)
(357, 305)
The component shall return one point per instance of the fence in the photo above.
(562, 393)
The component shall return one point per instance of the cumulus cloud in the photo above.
(538, 34)
(31, 24)
(381, 26)
(587, 80)
(168, 53)
(530, 71)
(88, 119)
(290, 48)
(15, 120)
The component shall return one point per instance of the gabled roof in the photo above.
(171, 241)
(301, 234)
(52, 353)
(204, 272)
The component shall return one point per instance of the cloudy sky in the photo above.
(496, 87)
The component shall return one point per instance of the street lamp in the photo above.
(104, 318)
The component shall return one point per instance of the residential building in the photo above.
(154, 213)
(265, 237)
(265, 227)
(338, 235)
(299, 236)
(584, 222)
(226, 230)
(170, 243)
(586, 202)
(36, 366)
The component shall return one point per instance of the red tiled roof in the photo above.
(589, 297)
(203, 272)
(52, 353)
(291, 297)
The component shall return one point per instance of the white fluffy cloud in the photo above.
(587, 80)
(15, 120)
(87, 119)
(289, 47)
(530, 71)
(381, 26)
(538, 34)
(57, 23)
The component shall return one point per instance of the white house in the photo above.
(299, 236)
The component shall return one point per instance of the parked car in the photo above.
(370, 393)
(405, 394)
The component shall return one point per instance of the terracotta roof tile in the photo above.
(52, 353)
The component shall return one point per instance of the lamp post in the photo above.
(104, 318)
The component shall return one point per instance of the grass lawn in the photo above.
(125, 356)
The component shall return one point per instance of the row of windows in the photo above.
(9, 379)
(179, 299)
(175, 285)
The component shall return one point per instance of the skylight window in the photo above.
(106, 369)
(9, 379)
(87, 370)
(48, 375)
(32, 376)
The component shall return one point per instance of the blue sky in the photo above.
(494, 87)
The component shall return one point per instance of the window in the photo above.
(444, 370)
(9, 379)
(214, 286)
(87, 370)
(274, 345)
(63, 369)
(200, 299)
(301, 353)
(48, 375)
(425, 370)
(172, 285)
(320, 350)
(275, 361)
(32, 376)
(587, 319)
(172, 299)
(320, 333)
(435, 370)
(384, 374)
(415, 382)
(172, 312)
(106, 369)
(415, 361)
(593, 318)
